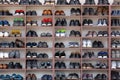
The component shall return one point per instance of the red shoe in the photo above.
(21, 12)
(44, 22)
(49, 21)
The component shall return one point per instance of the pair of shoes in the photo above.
(4, 54)
(19, 12)
(31, 64)
(32, 2)
(15, 33)
(42, 45)
(60, 65)
(18, 22)
(115, 75)
(87, 76)
(88, 55)
(102, 54)
(35, 2)
(101, 77)
(60, 54)
(60, 12)
(89, 2)
(4, 2)
(35, 55)
(14, 2)
(4, 23)
(115, 22)
(47, 22)
(103, 2)
(74, 23)
(61, 22)
(97, 44)
(49, 2)
(101, 65)
(115, 33)
(3, 66)
(31, 13)
(115, 54)
(75, 11)
(88, 11)
(73, 44)
(115, 65)
(75, 55)
(91, 34)
(4, 34)
(62, 2)
(115, 12)
(12, 65)
(14, 54)
(102, 10)
(5, 13)
(87, 66)
(75, 33)
(60, 33)
(102, 33)
(4, 44)
(9, 77)
(60, 76)
(43, 55)
(46, 77)
(31, 33)
(73, 76)
(74, 65)
(47, 12)
(45, 65)
(31, 77)
(87, 43)
(87, 22)
(59, 45)
(31, 23)
(115, 44)
(102, 22)
(74, 2)
(46, 34)
(31, 54)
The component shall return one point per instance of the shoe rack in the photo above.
(52, 40)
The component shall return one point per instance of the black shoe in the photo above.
(86, 11)
(72, 23)
(85, 22)
(77, 23)
(72, 2)
(64, 22)
(91, 11)
(77, 2)
(92, 2)
(87, 2)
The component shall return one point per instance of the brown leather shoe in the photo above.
(34, 77)
(5, 66)
(49, 12)
(62, 12)
(1, 66)
(57, 12)
(29, 77)
(45, 12)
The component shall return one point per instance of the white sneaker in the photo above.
(118, 64)
(84, 42)
(6, 55)
(6, 34)
(1, 34)
(89, 43)
(57, 34)
(62, 34)
(1, 54)
(114, 65)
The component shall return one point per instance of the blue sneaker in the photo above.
(1, 23)
(100, 54)
(18, 77)
(105, 55)
(7, 77)
(6, 23)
